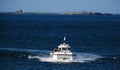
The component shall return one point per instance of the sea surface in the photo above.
(27, 39)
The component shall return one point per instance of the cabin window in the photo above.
(68, 48)
(59, 49)
(64, 48)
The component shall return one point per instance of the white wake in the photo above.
(79, 57)
(44, 55)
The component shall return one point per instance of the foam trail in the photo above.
(44, 55)
(43, 59)
(25, 50)
(85, 57)
(79, 57)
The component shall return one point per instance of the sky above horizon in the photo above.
(104, 6)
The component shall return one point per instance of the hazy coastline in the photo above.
(62, 13)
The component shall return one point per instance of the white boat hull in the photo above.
(57, 56)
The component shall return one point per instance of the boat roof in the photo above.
(64, 45)
(63, 53)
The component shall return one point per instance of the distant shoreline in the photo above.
(63, 13)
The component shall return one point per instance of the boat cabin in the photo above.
(64, 47)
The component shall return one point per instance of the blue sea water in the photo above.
(27, 39)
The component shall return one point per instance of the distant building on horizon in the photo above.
(19, 11)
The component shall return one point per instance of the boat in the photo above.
(62, 53)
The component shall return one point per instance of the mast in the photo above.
(64, 38)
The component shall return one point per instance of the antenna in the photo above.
(64, 38)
